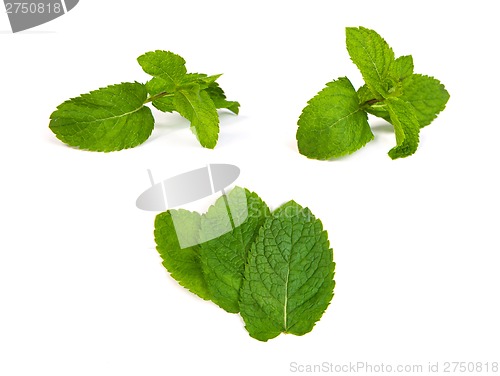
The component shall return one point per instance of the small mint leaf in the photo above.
(373, 57)
(164, 104)
(219, 98)
(427, 96)
(171, 68)
(402, 68)
(157, 85)
(406, 127)
(200, 78)
(196, 106)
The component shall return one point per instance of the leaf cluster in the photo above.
(117, 117)
(275, 269)
(335, 122)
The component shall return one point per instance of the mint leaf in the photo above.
(167, 66)
(200, 78)
(230, 226)
(289, 275)
(157, 85)
(365, 95)
(219, 98)
(206, 253)
(427, 96)
(107, 119)
(199, 109)
(160, 98)
(402, 68)
(164, 104)
(406, 127)
(373, 57)
(333, 123)
(173, 228)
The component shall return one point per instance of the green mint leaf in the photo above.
(365, 95)
(162, 100)
(164, 104)
(216, 93)
(167, 66)
(406, 127)
(196, 106)
(194, 77)
(200, 78)
(230, 226)
(107, 119)
(333, 123)
(427, 96)
(156, 86)
(289, 275)
(219, 98)
(211, 79)
(402, 68)
(173, 228)
(206, 253)
(373, 57)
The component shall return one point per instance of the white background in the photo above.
(82, 288)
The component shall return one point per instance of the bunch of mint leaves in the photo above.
(335, 121)
(275, 269)
(116, 117)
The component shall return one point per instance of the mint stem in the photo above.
(158, 96)
(372, 101)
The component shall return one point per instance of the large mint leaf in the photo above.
(196, 106)
(427, 96)
(373, 57)
(177, 242)
(168, 69)
(230, 226)
(289, 275)
(406, 127)
(107, 119)
(333, 123)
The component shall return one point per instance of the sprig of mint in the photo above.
(116, 117)
(335, 122)
(275, 269)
